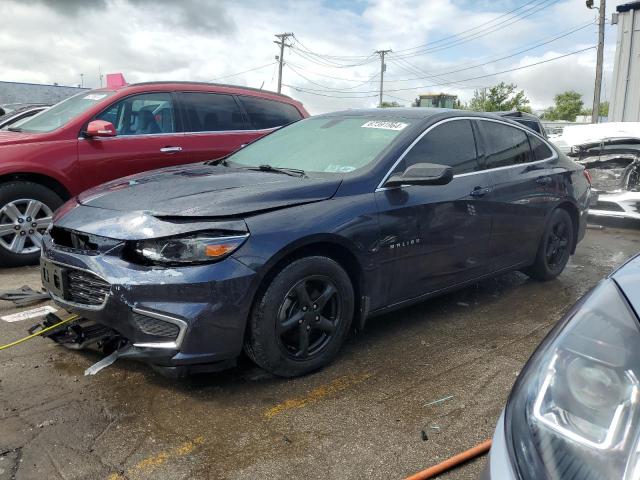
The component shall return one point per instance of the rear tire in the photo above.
(26, 209)
(302, 319)
(555, 247)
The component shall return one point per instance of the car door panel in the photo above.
(147, 138)
(522, 194)
(215, 124)
(433, 237)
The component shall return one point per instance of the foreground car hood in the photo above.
(207, 191)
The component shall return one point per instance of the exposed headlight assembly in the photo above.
(202, 247)
(574, 412)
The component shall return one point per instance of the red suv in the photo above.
(104, 134)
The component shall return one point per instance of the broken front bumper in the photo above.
(172, 317)
(617, 205)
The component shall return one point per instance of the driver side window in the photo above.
(452, 144)
(144, 114)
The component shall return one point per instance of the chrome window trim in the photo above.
(526, 130)
(181, 324)
(182, 134)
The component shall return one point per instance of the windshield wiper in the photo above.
(293, 172)
(14, 129)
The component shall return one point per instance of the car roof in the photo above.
(203, 87)
(419, 113)
(516, 114)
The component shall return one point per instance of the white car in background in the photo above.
(611, 153)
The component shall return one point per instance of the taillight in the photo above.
(587, 175)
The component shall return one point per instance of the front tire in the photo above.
(555, 247)
(26, 210)
(302, 319)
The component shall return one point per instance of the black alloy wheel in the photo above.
(555, 247)
(558, 244)
(301, 320)
(308, 317)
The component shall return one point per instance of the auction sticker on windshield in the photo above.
(385, 125)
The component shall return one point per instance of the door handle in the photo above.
(480, 191)
(546, 180)
(171, 149)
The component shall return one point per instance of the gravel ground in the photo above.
(362, 417)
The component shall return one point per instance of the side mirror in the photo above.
(422, 174)
(100, 128)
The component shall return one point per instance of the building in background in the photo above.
(16, 92)
(437, 100)
(625, 96)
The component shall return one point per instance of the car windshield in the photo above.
(63, 112)
(324, 144)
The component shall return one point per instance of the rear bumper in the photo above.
(617, 205)
(172, 317)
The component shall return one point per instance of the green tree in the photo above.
(390, 104)
(500, 97)
(568, 106)
(604, 110)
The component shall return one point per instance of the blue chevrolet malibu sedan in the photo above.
(280, 248)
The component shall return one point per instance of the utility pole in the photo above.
(282, 42)
(595, 114)
(383, 67)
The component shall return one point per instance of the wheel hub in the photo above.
(22, 223)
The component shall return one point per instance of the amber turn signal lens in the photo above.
(218, 250)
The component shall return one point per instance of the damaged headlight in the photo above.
(574, 412)
(198, 248)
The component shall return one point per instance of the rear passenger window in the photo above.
(451, 144)
(269, 113)
(212, 112)
(540, 149)
(504, 145)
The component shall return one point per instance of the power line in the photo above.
(407, 66)
(519, 52)
(468, 30)
(369, 80)
(246, 71)
(484, 32)
(312, 92)
(467, 79)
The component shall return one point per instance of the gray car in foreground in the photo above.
(574, 412)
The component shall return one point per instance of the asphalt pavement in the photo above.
(415, 387)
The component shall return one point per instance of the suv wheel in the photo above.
(26, 210)
(302, 319)
(555, 247)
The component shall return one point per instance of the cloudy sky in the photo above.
(438, 45)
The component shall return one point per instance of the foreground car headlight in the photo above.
(198, 248)
(574, 412)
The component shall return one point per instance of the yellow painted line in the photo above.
(148, 464)
(317, 394)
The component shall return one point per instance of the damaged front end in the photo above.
(614, 165)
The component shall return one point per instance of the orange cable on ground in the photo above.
(452, 462)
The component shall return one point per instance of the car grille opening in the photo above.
(81, 241)
(85, 288)
(155, 327)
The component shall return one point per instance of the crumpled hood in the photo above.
(207, 191)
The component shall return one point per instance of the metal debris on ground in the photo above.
(105, 362)
(23, 296)
(27, 314)
(435, 402)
